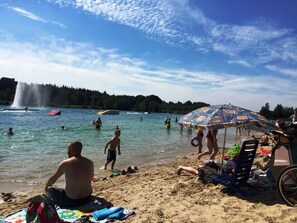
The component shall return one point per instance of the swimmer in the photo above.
(10, 132)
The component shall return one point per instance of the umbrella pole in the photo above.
(223, 153)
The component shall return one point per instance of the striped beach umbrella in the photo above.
(222, 117)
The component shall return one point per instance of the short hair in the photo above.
(117, 131)
(76, 146)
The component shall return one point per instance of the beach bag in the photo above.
(206, 172)
(41, 209)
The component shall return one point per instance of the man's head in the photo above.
(117, 132)
(74, 149)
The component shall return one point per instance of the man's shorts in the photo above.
(111, 155)
(60, 198)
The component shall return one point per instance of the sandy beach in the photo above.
(157, 194)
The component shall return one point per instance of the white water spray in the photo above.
(28, 95)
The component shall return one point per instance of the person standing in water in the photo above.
(10, 132)
(98, 123)
(113, 144)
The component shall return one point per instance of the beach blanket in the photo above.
(67, 215)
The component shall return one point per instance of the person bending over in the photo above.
(79, 172)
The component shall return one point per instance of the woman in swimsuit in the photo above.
(211, 143)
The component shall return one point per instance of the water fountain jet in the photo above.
(28, 95)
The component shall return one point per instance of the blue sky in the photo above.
(242, 52)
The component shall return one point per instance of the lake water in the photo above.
(29, 156)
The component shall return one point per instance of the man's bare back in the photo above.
(79, 172)
(78, 176)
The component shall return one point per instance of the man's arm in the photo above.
(214, 135)
(57, 174)
(119, 147)
(107, 146)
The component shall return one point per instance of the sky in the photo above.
(213, 51)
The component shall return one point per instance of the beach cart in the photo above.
(284, 164)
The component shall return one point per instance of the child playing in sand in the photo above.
(114, 143)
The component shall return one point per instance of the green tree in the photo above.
(279, 111)
(265, 111)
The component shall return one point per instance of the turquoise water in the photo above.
(39, 144)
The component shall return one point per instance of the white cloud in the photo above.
(62, 62)
(54, 61)
(180, 25)
(240, 62)
(285, 71)
(32, 16)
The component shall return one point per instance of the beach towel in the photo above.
(67, 215)
(115, 213)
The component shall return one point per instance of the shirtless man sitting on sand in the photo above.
(79, 172)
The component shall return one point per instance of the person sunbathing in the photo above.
(212, 167)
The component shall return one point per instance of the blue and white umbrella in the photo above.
(220, 116)
(223, 116)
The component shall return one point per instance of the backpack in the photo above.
(42, 210)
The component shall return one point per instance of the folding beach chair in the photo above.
(238, 180)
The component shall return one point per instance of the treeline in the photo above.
(53, 96)
(278, 112)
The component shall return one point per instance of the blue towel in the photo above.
(118, 215)
(106, 212)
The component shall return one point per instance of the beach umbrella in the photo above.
(222, 117)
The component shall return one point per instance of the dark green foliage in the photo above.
(265, 111)
(7, 90)
(73, 97)
(278, 112)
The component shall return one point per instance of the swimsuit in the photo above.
(60, 198)
(210, 136)
(111, 155)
